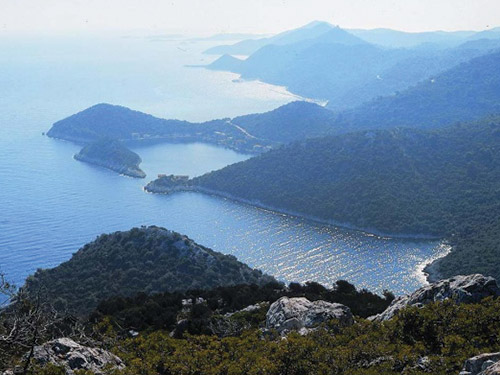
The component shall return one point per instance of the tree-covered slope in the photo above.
(106, 120)
(439, 182)
(112, 154)
(435, 339)
(161, 311)
(466, 92)
(147, 260)
(124, 124)
(250, 133)
(291, 122)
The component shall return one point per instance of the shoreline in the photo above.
(257, 204)
(145, 142)
(428, 271)
(122, 170)
(431, 271)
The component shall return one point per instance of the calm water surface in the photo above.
(51, 204)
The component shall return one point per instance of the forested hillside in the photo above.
(439, 182)
(467, 92)
(141, 260)
(291, 122)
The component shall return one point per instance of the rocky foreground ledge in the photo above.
(73, 358)
(299, 314)
(461, 289)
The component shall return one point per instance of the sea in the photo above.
(51, 204)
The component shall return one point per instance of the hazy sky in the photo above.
(260, 16)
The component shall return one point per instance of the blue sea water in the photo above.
(51, 204)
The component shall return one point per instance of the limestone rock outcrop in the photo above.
(73, 356)
(461, 289)
(483, 364)
(300, 314)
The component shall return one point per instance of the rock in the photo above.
(250, 308)
(461, 289)
(300, 314)
(181, 326)
(492, 370)
(482, 364)
(423, 364)
(73, 356)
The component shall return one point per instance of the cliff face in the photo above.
(112, 155)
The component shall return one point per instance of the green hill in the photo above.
(294, 121)
(113, 155)
(147, 259)
(466, 92)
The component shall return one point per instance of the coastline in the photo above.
(144, 142)
(262, 206)
(122, 170)
(431, 270)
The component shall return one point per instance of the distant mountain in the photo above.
(382, 37)
(247, 47)
(347, 71)
(113, 155)
(400, 39)
(410, 71)
(317, 70)
(493, 33)
(466, 92)
(442, 183)
(227, 62)
(141, 260)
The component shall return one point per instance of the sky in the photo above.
(249, 16)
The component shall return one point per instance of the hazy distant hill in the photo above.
(291, 122)
(398, 39)
(346, 70)
(409, 71)
(247, 47)
(382, 37)
(141, 260)
(466, 92)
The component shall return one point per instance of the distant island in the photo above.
(113, 155)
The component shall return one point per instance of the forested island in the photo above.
(113, 155)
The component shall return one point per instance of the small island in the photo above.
(113, 155)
